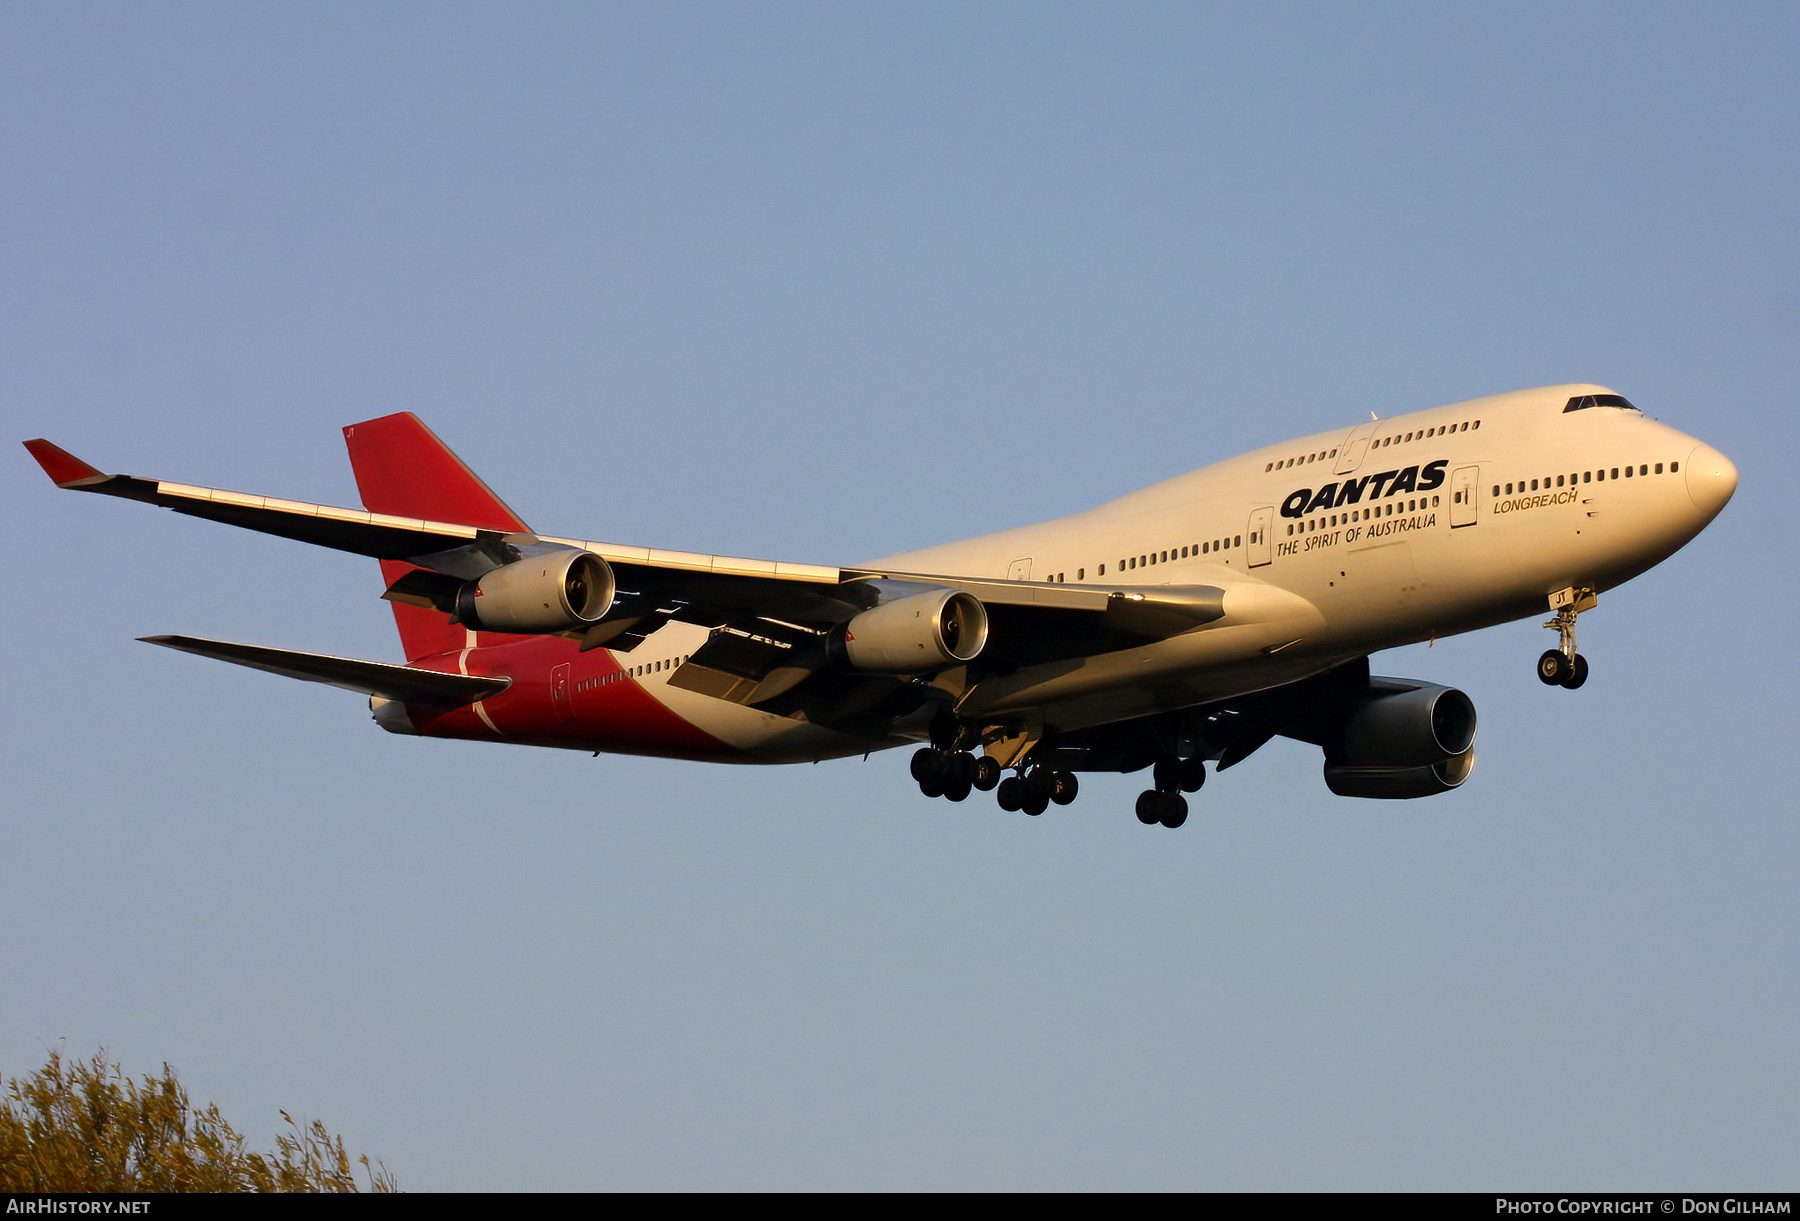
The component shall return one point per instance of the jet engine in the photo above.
(557, 592)
(1411, 743)
(927, 631)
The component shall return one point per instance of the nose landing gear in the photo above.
(1563, 666)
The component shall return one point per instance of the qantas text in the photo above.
(1413, 479)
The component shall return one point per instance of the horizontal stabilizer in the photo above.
(405, 683)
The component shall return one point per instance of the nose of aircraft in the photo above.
(1711, 479)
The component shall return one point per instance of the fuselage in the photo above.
(1330, 547)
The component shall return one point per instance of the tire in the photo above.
(1035, 804)
(1010, 794)
(924, 764)
(1174, 810)
(1553, 668)
(1064, 788)
(1167, 775)
(931, 786)
(1149, 811)
(1193, 775)
(956, 790)
(987, 774)
(1578, 673)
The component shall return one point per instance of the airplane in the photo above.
(1184, 624)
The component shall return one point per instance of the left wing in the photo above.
(772, 621)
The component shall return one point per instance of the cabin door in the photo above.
(1259, 545)
(1463, 487)
(559, 692)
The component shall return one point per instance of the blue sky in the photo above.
(824, 282)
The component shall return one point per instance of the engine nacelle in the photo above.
(557, 592)
(1414, 742)
(1399, 783)
(1415, 728)
(928, 631)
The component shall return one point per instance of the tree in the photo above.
(75, 1126)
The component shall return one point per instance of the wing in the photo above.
(771, 621)
(406, 683)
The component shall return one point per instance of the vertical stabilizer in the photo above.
(403, 469)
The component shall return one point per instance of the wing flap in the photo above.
(406, 683)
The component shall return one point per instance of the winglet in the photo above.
(64, 468)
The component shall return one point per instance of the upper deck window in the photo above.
(1582, 402)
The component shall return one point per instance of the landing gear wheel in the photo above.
(1554, 668)
(957, 790)
(1174, 810)
(1166, 775)
(1011, 794)
(1149, 807)
(1193, 775)
(1063, 788)
(987, 774)
(1578, 672)
(925, 762)
(1035, 803)
(931, 786)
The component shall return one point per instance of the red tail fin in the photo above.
(403, 469)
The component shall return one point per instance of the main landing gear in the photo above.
(1165, 804)
(1563, 666)
(955, 774)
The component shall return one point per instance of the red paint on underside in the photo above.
(619, 717)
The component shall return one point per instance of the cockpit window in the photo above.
(1582, 402)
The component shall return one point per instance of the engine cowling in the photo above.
(1399, 783)
(1409, 728)
(1410, 743)
(927, 631)
(557, 592)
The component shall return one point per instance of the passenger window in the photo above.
(1615, 472)
(1673, 467)
(1659, 468)
(1628, 472)
(1237, 540)
(1644, 470)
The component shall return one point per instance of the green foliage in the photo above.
(74, 1126)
